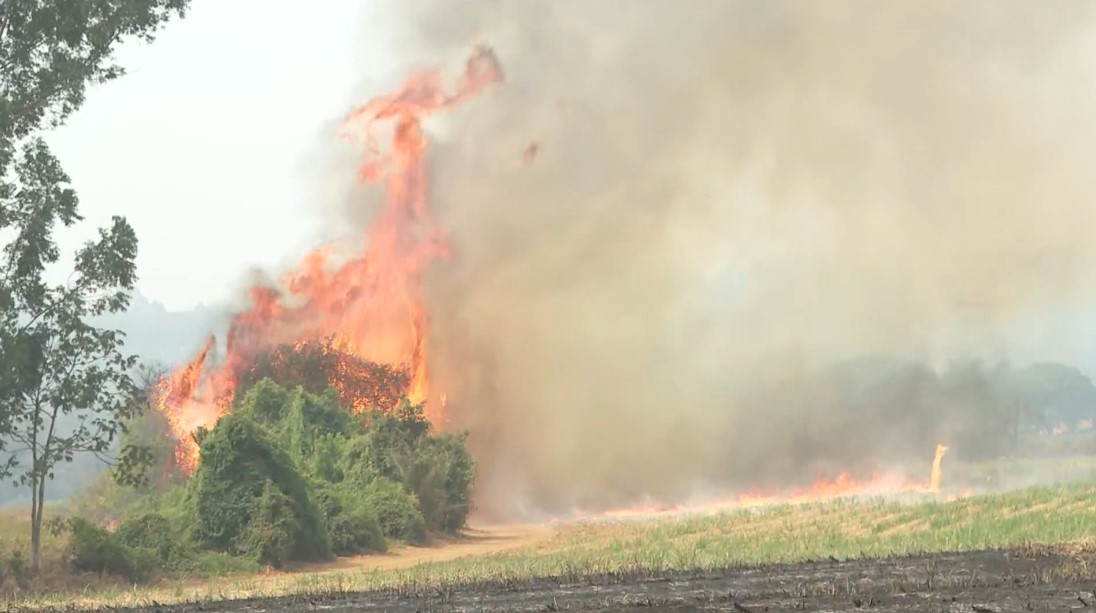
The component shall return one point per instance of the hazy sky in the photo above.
(201, 144)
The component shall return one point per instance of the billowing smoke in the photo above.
(677, 221)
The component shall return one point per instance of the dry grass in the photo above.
(839, 529)
(15, 556)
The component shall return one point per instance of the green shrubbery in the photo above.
(98, 551)
(142, 547)
(291, 475)
(397, 511)
(250, 498)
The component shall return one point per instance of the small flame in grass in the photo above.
(934, 478)
(822, 489)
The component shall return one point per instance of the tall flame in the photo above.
(934, 477)
(371, 303)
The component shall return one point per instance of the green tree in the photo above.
(77, 390)
(62, 381)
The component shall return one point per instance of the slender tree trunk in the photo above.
(41, 504)
(35, 525)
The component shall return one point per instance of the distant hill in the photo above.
(158, 335)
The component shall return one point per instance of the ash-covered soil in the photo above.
(1031, 580)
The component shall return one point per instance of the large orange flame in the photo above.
(371, 303)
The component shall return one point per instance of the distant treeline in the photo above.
(870, 413)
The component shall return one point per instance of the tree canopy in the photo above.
(64, 384)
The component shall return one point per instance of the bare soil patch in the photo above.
(471, 542)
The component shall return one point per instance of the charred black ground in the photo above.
(999, 581)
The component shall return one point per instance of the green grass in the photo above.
(842, 529)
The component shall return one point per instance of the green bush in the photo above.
(396, 510)
(266, 403)
(388, 447)
(271, 535)
(356, 531)
(441, 478)
(325, 462)
(98, 551)
(150, 531)
(18, 568)
(356, 464)
(235, 507)
(293, 474)
(353, 527)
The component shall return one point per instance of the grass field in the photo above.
(837, 529)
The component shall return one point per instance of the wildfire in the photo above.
(934, 478)
(842, 486)
(372, 303)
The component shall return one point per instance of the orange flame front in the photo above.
(843, 485)
(371, 303)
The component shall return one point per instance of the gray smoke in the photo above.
(727, 199)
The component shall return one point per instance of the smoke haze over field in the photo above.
(851, 178)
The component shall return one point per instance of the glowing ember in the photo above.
(372, 303)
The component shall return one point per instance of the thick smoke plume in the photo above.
(675, 218)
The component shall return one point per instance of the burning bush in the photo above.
(300, 470)
(321, 365)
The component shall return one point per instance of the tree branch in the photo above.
(5, 20)
(28, 50)
(90, 64)
(98, 456)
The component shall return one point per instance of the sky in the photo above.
(201, 144)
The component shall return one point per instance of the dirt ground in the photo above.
(472, 542)
(980, 582)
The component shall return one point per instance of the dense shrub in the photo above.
(437, 470)
(18, 568)
(309, 418)
(298, 473)
(441, 478)
(266, 403)
(152, 532)
(396, 510)
(272, 532)
(98, 551)
(291, 475)
(352, 525)
(235, 504)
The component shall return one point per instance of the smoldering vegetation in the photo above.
(683, 234)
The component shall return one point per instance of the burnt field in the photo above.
(1030, 549)
(1030, 579)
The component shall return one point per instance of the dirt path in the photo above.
(473, 542)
